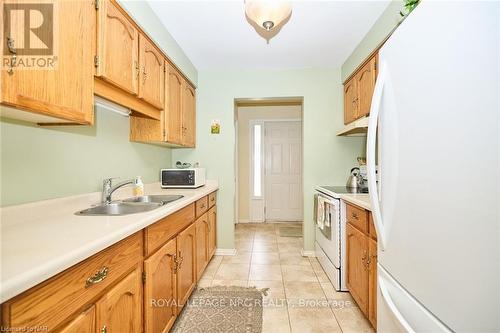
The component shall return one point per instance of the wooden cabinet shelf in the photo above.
(362, 261)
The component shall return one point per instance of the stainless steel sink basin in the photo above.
(119, 208)
(134, 205)
(165, 199)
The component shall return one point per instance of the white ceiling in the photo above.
(216, 34)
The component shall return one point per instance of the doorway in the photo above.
(269, 161)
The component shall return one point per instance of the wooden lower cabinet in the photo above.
(362, 270)
(357, 273)
(372, 282)
(152, 272)
(202, 250)
(120, 309)
(160, 289)
(186, 269)
(212, 231)
(82, 323)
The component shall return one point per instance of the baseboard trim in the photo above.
(244, 221)
(310, 254)
(225, 252)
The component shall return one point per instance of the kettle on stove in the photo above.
(355, 180)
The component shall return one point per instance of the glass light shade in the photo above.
(268, 14)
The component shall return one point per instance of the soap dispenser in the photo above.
(139, 187)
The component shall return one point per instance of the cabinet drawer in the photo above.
(371, 227)
(201, 206)
(56, 299)
(212, 199)
(358, 217)
(160, 232)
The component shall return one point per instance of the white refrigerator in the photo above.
(434, 133)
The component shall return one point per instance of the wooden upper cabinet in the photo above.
(188, 115)
(350, 101)
(117, 48)
(186, 271)
(151, 75)
(120, 309)
(64, 93)
(83, 323)
(160, 289)
(357, 270)
(358, 91)
(173, 109)
(202, 254)
(365, 81)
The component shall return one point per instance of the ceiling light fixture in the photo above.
(268, 16)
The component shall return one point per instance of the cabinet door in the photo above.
(372, 282)
(151, 76)
(66, 91)
(83, 323)
(202, 254)
(188, 116)
(119, 310)
(357, 270)
(212, 231)
(117, 45)
(186, 271)
(365, 79)
(160, 294)
(173, 110)
(350, 101)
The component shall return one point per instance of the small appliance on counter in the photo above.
(183, 178)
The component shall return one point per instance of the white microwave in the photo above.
(182, 178)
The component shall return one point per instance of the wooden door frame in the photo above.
(264, 101)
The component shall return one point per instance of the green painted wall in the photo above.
(327, 158)
(378, 32)
(48, 162)
(151, 24)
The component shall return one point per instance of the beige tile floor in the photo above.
(301, 299)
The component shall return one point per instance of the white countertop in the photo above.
(41, 239)
(361, 200)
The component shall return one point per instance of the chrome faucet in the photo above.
(108, 188)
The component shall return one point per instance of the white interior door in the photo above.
(283, 170)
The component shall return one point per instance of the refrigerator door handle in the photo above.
(392, 307)
(371, 151)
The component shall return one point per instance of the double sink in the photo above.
(133, 205)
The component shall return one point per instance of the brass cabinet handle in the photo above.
(99, 276)
(354, 216)
(144, 74)
(137, 70)
(174, 268)
(364, 260)
(104, 329)
(179, 261)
